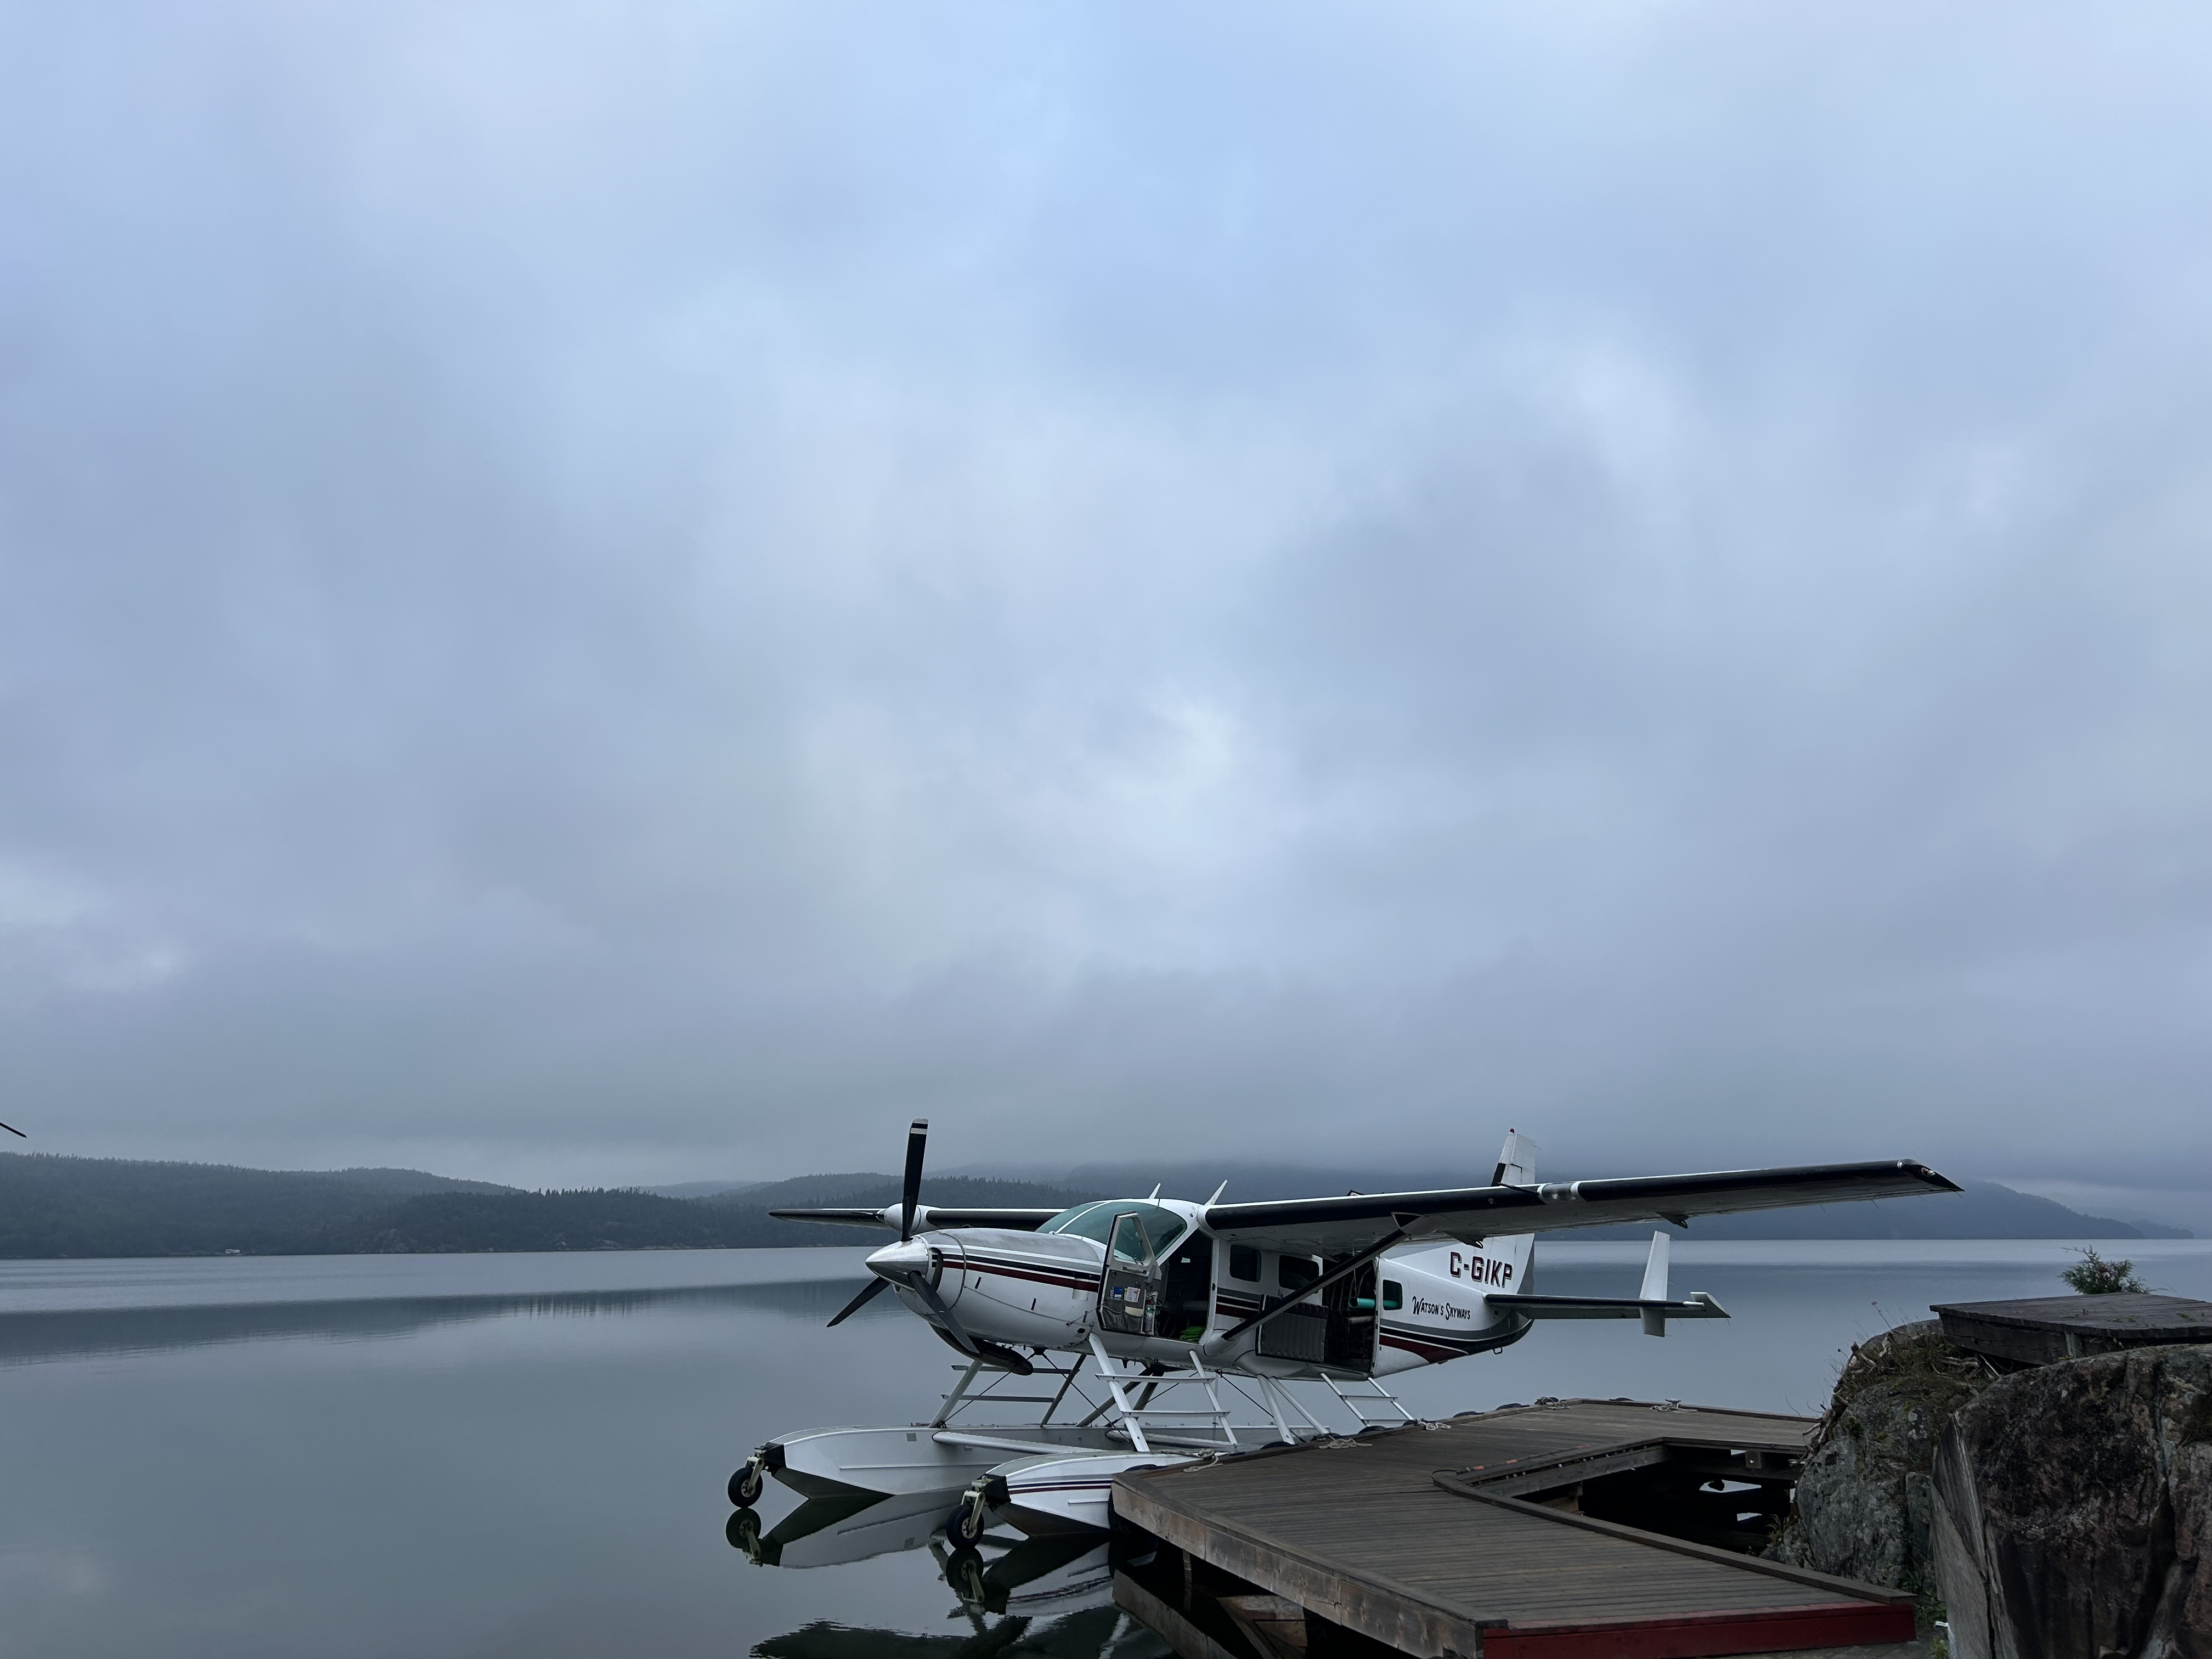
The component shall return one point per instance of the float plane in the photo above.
(1152, 1321)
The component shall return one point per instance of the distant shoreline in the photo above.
(56, 1208)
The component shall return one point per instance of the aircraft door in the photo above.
(1353, 1322)
(1129, 1290)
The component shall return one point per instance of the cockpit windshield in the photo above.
(1095, 1221)
(1060, 1223)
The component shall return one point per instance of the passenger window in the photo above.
(1394, 1295)
(1297, 1272)
(1244, 1263)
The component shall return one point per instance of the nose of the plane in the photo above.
(900, 1260)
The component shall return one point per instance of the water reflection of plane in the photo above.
(1063, 1578)
(1094, 1633)
(827, 1532)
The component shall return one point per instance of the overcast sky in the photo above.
(597, 593)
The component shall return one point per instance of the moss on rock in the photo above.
(1865, 1504)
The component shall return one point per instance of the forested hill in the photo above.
(54, 1206)
(91, 1206)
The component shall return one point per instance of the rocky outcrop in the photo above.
(1865, 1504)
(1865, 1501)
(2073, 1514)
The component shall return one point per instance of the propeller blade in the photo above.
(14, 1131)
(910, 1194)
(928, 1293)
(869, 1292)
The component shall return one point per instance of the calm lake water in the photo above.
(525, 1455)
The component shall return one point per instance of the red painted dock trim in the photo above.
(1696, 1635)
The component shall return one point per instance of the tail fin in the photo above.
(1517, 1162)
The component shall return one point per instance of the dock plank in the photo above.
(1362, 1534)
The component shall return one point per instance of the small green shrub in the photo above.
(2094, 1276)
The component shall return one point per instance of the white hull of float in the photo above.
(915, 1458)
(1057, 1494)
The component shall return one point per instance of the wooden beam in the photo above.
(1873, 1594)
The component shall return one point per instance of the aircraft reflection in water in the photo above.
(1043, 1596)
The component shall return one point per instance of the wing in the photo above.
(927, 1218)
(1339, 1226)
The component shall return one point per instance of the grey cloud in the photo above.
(586, 596)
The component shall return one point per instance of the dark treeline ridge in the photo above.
(54, 1206)
(88, 1207)
(64, 1207)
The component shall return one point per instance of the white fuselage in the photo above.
(1420, 1305)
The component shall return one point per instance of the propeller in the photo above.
(917, 1140)
(953, 1328)
(912, 1275)
(917, 1137)
(869, 1292)
(918, 1283)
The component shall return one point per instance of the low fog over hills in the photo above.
(54, 1206)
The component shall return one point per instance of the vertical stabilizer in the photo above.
(1516, 1167)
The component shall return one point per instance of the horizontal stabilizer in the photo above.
(1698, 1306)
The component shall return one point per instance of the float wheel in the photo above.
(746, 1483)
(964, 1528)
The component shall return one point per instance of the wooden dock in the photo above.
(2045, 1329)
(1570, 1529)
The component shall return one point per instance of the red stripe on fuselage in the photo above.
(1034, 1275)
(1434, 1356)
